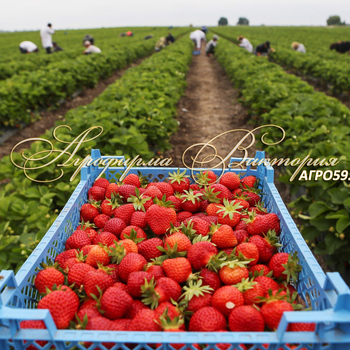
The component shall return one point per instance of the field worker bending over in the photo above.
(245, 43)
(264, 49)
(90, 48)
(90, 38)
(341, 46)
(28, 47)
(298, 47)
(46, 37)
(197, 36)
(210, 49)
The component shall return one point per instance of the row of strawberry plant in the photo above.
(331, 69)
(315, 125)
(25, 94)
(137, 115)
(27, 63)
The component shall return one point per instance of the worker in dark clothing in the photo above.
(148, 37)
(56, 47)
(341, 46)
(169, 39)
(88, 37)
(263, 49)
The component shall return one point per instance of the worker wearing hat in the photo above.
(298, 47)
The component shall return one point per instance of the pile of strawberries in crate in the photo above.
(172, 256)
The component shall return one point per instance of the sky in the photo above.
(75, 14)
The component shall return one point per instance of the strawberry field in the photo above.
(160, 250)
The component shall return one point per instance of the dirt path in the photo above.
(48, 118)
(209, 107)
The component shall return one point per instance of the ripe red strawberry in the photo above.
(301, 327)
(124, 212)
(47, 277)
(267, 282)
(207, 319)
(135, 281)
(101, 182)
(242, 225)
(202, 227)
(246, 318)
(159, 218)
(183, 215)
(229, 214)
(191, 201)
(179, 269)
(200, 301)
(249, 251)
(242, 202)
(132, 179)
(113, 272)
(138, 218)
(233, 272)
(226, 298)
(259, 270)
(272, 312)
(115, 226)
(257, 224)
(100, 220)
(200, 253)
(96, 193)
(224, 237)
(121, 286)
(176, 202)
(99, 323)
(97, 255)
(62, 304)
(125, 191)
(165, 188)
(265, 245)
(273, 222)
(145, 321)
(167, 307)
(77, 273)
(88, 212)
(130, 263)
(156, 271)
(115, 303)
(179, 181)
(230, 180)
(221, 191)
(252, 198)
(241, 235)
(111, 189)
(94, 279)
(77, 240)
(152, 192)
(135, 308)
(164, 289)
(212, 209)
(205, 178)
(252, 291)
(285, 265)
(106, 238)
(210, 278)
(149, 250)
(134, 233)
(67, 254)
(107, 207)
(248, 181)
(182, 242)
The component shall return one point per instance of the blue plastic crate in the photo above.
(328, 295)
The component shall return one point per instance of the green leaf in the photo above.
(342, 223)
(317, 208)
